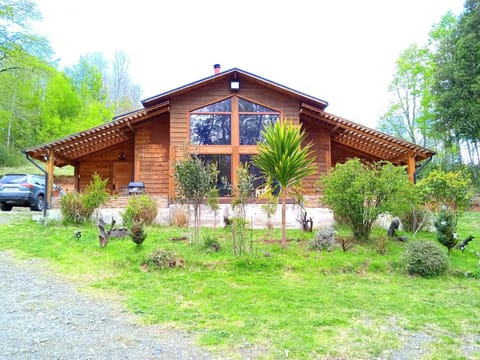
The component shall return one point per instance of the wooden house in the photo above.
(222, 115)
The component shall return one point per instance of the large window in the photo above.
(228, 130)
(252, 119)
(211, 125)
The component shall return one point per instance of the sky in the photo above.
(343, 52)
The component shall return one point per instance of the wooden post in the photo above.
(411, 167)
(76, 175)
(50, 170)
(171, 175)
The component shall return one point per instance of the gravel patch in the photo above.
(17, 215)
(44, 317)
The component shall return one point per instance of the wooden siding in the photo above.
(152, 147)
(319, 137)
(102, 163)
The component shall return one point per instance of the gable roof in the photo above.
(72, 148)
(235, 73)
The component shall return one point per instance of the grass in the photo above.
(27, 167)
(275, 303)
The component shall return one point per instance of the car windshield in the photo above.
(13, 179)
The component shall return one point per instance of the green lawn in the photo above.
(28, 168)
(296, 302)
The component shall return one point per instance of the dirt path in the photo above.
(44, 317)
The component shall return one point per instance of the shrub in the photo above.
(141, 209)
(450, 190)
(324, 239)
(358, 193)
(162, 259)
(415, 219)
(425, 258)
(96, 193)
(179, 218)
(210, 243)
(445, 225)
(137, 233)
(75, 209)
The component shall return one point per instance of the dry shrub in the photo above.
(180, 218)
(163, 259)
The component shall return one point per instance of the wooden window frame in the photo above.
(234, 149)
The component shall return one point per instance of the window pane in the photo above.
(251, 127)
(210, 129)
(224, 165)
(247, 106)
(259, 178)
(221, 106)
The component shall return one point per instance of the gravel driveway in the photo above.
(44, 317)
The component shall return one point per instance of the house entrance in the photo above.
(122, 175)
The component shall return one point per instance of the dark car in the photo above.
(22, 190)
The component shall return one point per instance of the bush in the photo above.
(425, 258)
(210, 243)
(358, 193)
(415, 219)
(162, 259)
(137, 233)
(96, 193)
(75, 209)
(179, 218)
(324, 239)
(445, 224)
(141, 209)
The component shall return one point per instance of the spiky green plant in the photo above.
(284, 158)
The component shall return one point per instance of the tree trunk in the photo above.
(284, 225)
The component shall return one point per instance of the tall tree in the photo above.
(61, 107)
(16, 38)
(124, 94)
(88, 77)
(457, 78)
(410, 114)
(284, 158)
(23, 65)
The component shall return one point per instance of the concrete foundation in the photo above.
(255, 215)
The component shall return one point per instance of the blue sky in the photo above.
(343, 52)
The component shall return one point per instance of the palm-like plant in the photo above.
(284, 158)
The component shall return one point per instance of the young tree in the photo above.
(193, 185)
(284, 158)
(358, 193)
(241, 194)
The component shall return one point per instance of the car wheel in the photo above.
(5, 207)
(38, 204)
